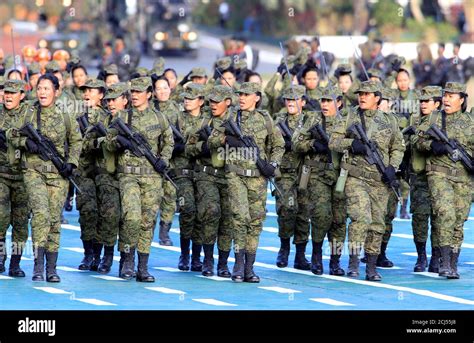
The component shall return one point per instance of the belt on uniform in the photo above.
(136, 170)
(210, 170)
(241, 171)
(319, 165)
(359, 172)
(11, 176)
(42, 168)
(181, 172)
(444, 170)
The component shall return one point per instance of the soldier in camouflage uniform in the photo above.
(46, 186)
(212, 198)
(13, 196)
(34, 72)
(189, 121)
(366, 188)
(325, 205)
(420, 206)
(292, 218)
(247, 184)
(110, 74)
(450, 183)
(87, 199)
(272, 92)
(346, 84)
(140, 184)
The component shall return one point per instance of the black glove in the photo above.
(204, 134)
(205, 152)
(288, 145)
(281, 68)
(357, 147)
(185, 80)
(389, 175)
(396, 65)
(178, 148)
(31, 146)
(233, 142)
(66, 170)
(319, 147)
(267, 170)
(438, 148)
(160, 166)
(217, 73)
(124, 143)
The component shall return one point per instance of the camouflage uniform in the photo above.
(140, 185)
(33, 68)
(450, 184)
(247, 188)
(325, 206)
(366, 195)
(13, 195)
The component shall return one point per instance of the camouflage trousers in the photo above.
(46, 196)
(327, 210)
(293, 218)
(392, 205)
(247, 196)
(189, 226)
(108, 204)
(168, 204)
(366, 206)
(420, 207)
(451, 202)
(213, 210)
(14, 212)
(86, 204)
(140, 197)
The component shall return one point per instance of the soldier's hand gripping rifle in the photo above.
(178, 137)
(46, 150)
(3, 141)
(204, 133)
(456, 152)
(287, 134)
(140, 147)
(249, 143)
(373, 156)
(99, 128)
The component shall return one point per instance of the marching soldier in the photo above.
(366, 188)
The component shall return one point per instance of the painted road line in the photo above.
(71, 227)
(3, 277)
(402, 235)
(401, 220)
(23, 258)
(79, 250)
(169, 269)
(390, 268)
(69, 269)
(93, 301)
(52, 290)
(108, 278)
(215, 278)
(467, 245)
(271, 202)
(270, 229)
(414, 254)
(170, 248)
(213, 302)
(175, 230)
(433, 275)
(165, 290)
(272, 214)
(281, 290)
(329, 301)
(472, 263)
(272, 249)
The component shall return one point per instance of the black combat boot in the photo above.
(88, 256)
(107, 260)
(403, 210)
(250, 275)
(143, 275)
(184, 257)
(317, 258)
(382, 260)
(222, 268)
(128, 267)
(353, 266)
(454, 264)
(370, 270)
(51, 260)
(97, 249)
(14, 269)
(208, 263)
(334, 266)
(300, 259)
(445, 265)
(70, 196)
(434, 261)
(196, 264)
(283, 253)
(38, 270)
(239, 266)
(420, 265)
(3, 254)
(164, 236)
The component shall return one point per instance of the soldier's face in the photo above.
(311, 80)
(345, 83)
(117, 104)
(255, 79)
(171, 77)
(219, 108)
(46, 93)
(294, 106)
(14, 76)
(229, 77)
(12, 100)
(328, 107)
(162, 90)
(191, 105)
(427, 106)
(248, 102)
(403, 81)
(34, 80)
(199, 80)
(111, 80)
(79, 77)
(368, 101)
(140, 99)
(452, 102)
(92, 97)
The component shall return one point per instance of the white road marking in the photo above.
(79, 250)
(273, 249)
(402, 235)
(165, 290)
(329, 301)
(272, 214)
(390, 268)
(71, 227)
(108, 278)
(175, 230)
(69, 269)
(433, 275)
(23, 258)
(169, 269)
(213, 302)
(3, 277)
(469, 263)
(52, 290)
(170, 248)
(414, 254)
(467, 245)
(281, 290)
(214, 278)
(96, 302)
(270, 229)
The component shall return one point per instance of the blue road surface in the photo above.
(279, 289)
